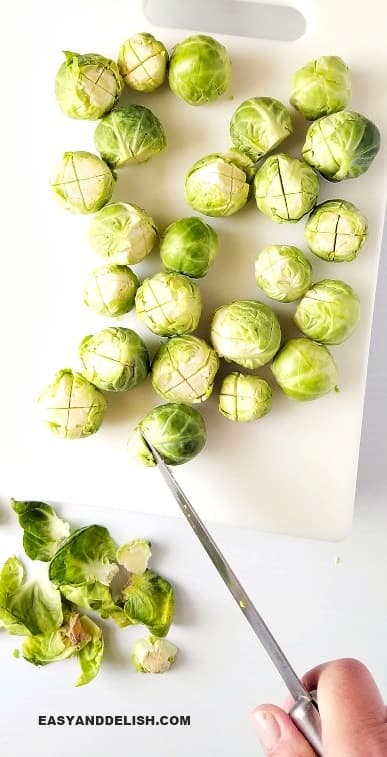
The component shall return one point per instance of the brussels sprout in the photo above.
(43, 531)
(87, 86)
(283, 272)
(329, 312)
(72, 407)
(87, 555)
(83, 183)
(259, 125)
(246, 332)
(153, 655)
(336, 231)
(199, 70)
(321, 87)
(143, 61)
(131, 134)
(134, 556)
(285, 188)
(244, 398)
(149, 599)
(115, 359)
(305, 370)
(216, 186)
(124, 233)
(177, 432)
(169, 304)
(189, 246)
(110, 290)
(342, 145)
(96, 597)
(184, 370)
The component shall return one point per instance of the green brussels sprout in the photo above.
(199, 70)
(189, 246)
(321, 87)
(216, 186)
(43, 530)
(305, 370)
(135, 556)
(142, 61)
(110, 290)
(153, 655)
(115, 359)
(244, 398)
(329, 312)
(184, 370)
(169, 304)
(83, 183)
(131, 134)
(71, 406)
(285, 188)
(123, 233)
(87, 86)
(336, 231)
(246, 332)
(283, 272)
(342, 145)
(176, 431)
(259, 125)
(87, 555)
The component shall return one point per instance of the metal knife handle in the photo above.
(306, 717)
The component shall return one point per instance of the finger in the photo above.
(278, 734)
(351, 707)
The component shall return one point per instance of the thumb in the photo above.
(278, 734)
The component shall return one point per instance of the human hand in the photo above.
(353, 715)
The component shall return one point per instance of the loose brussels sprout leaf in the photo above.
(285, 188)
(87, 86)
(184, 370)
(216, 186)
(131, 134)
(135, 556)
(71, 407)
(36, 606)
(244, 398)
(342, 145)
(43, 530)
(110, 290)
(11, 578)
(46, 648)
(336, 231)
(169, 304)
(115, 359)
(246, 332)
(91, 654)
(177, 432)
(321, 87)
(149, 599)
(143, 61)
(329, 312)
(189, 246)
(97, 597)
(123, 233)
(152, 655)
(283, 272)
(87, 555)
(199, 70)
(82, 182)
(259, 125)
(305, 370)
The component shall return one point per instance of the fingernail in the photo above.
(269, 731)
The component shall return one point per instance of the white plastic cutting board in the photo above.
(292, 472)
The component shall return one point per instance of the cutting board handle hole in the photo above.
(237, 17)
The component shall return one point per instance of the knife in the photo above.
(304, 713)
